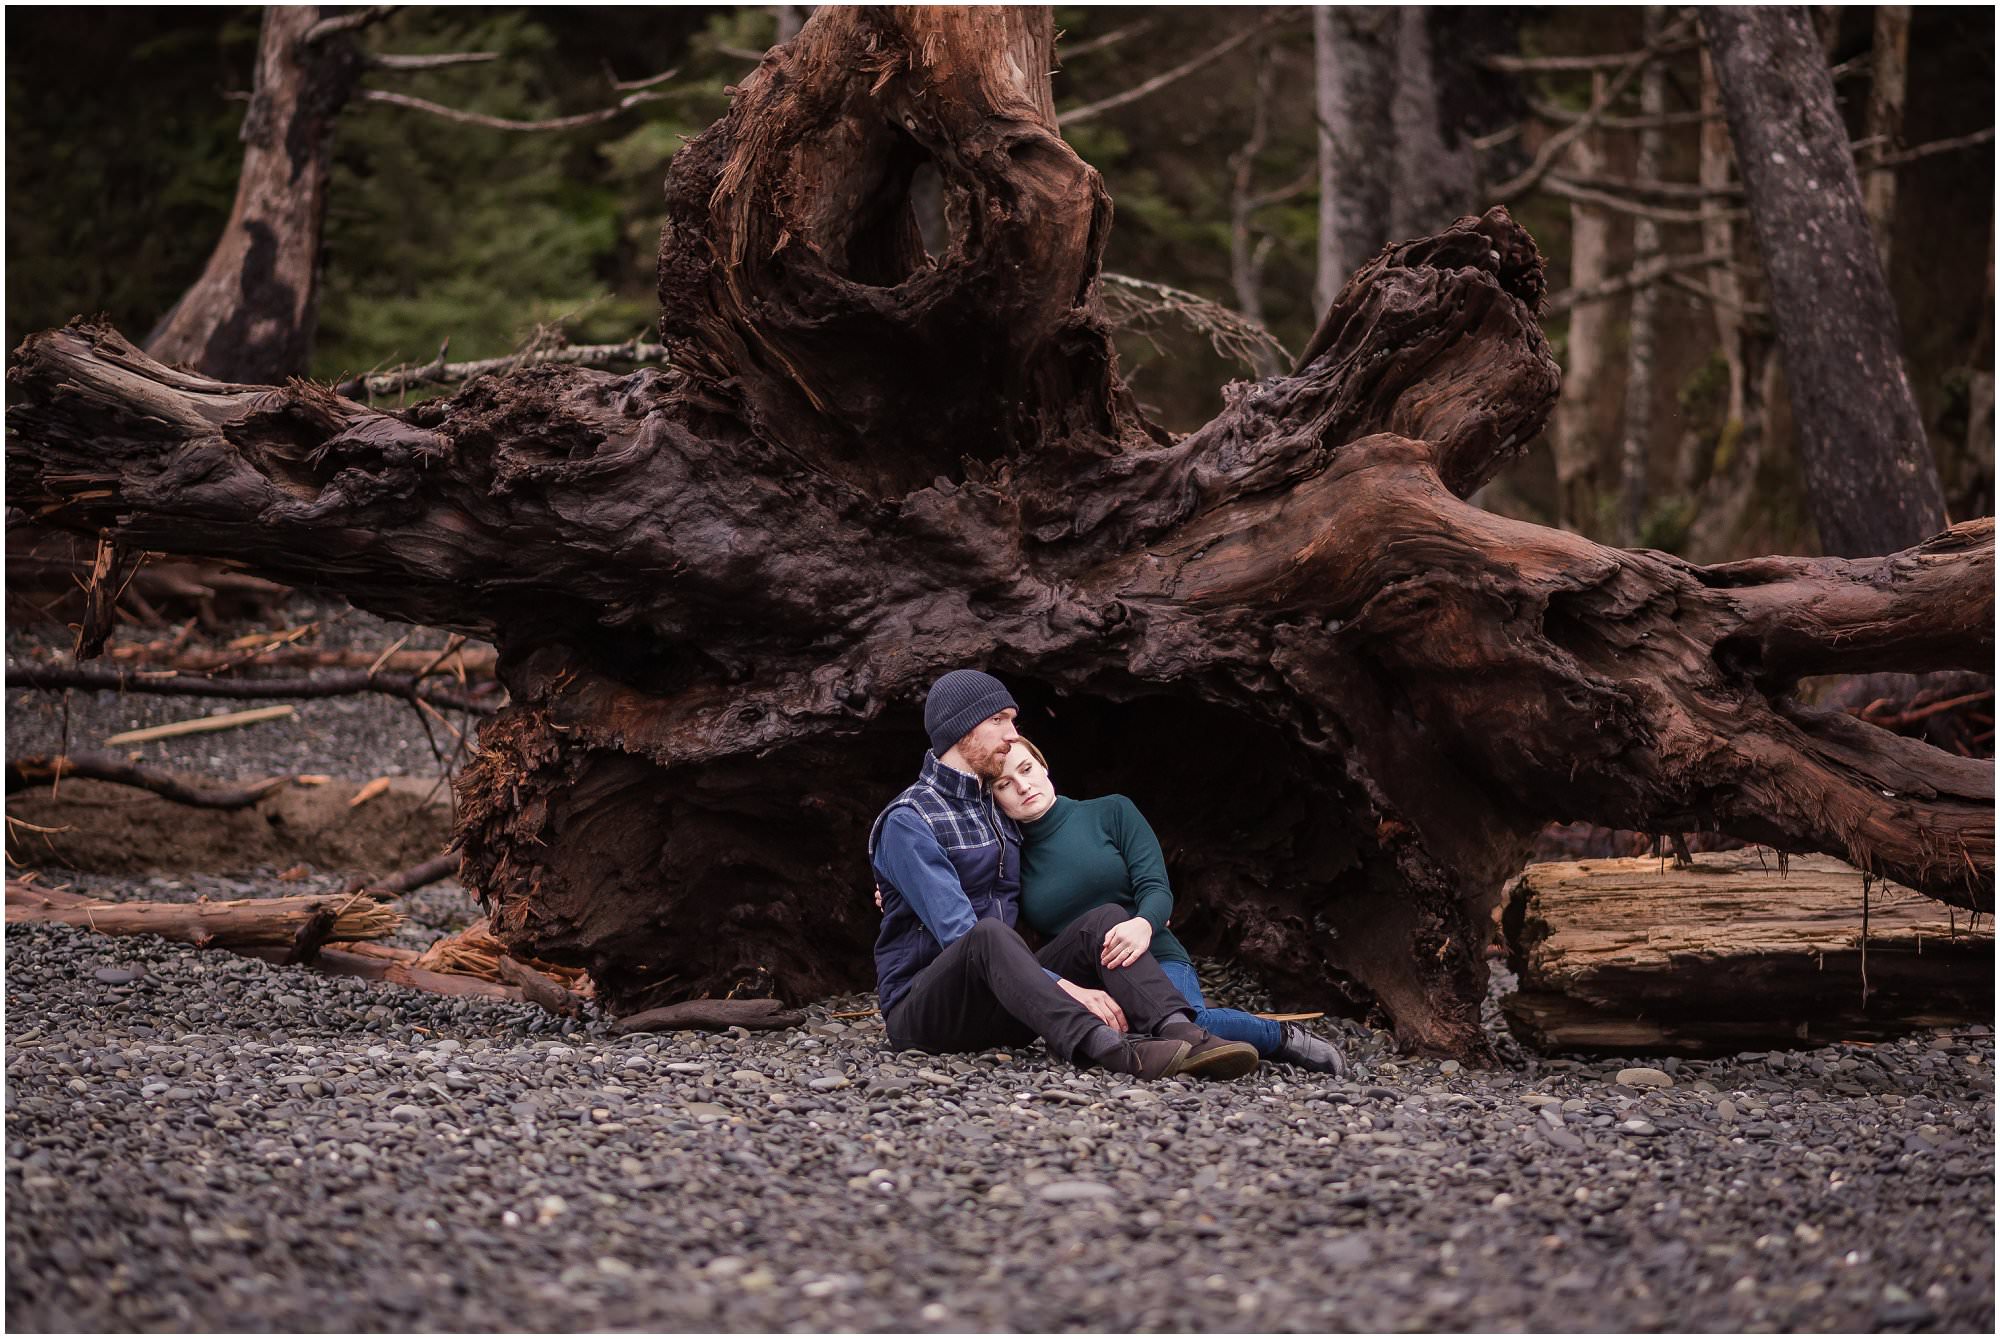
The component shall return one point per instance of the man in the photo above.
(952, 973)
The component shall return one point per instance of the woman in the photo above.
(1082, 854)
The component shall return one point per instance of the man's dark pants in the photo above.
(989, 989)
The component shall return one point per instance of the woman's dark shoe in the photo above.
(1310, 1051)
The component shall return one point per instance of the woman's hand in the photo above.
(1125, 941)
(1099, 1003)
(878, 897)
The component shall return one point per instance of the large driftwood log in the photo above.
(1743, 949)
(1345, 696)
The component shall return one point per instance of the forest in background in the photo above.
(1205, 126)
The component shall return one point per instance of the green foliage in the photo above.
(1666, 523)
(442, 231)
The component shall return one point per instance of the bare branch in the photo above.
(1549, 111)
(1141, 303)
(1481, 143)
(441, 373)
(1586, 64)
(347, 23)
(1181, 71)
(1637, 277)
(1695, 288)
(1687, 190)
(386, 61)
(1619, 204)
(1935, 147)
(598, 117)
(1545, 157)
(1085, 47)
(1663, 190)
(1297, 186)
(629, 85)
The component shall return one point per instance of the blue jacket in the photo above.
(946, 858)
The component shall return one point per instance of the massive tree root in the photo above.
(894, 443)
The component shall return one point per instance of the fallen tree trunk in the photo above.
(268, 922)
(1744, 949)
(1347, 698)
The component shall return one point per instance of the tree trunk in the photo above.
(252, 315)
(1742, 950)
(1636, 451)
(1246, 249)
(1870, 475)
(1887, 86)
(719, 592)
(1431, 180)
(1575, 440)
(1731, 493)
(1354, 56)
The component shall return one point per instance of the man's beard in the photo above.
(989, 767)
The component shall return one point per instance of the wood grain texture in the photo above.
(1743, 949)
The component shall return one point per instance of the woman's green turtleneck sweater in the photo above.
(1084, 854)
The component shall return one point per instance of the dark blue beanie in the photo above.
(958, 702)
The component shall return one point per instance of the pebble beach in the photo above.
(199, 1141)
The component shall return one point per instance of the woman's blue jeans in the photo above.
(1228, 1024)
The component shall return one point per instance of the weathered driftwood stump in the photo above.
(1346, 697)
(1743, 949)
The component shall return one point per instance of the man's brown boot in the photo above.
(1209, 1056)
(1149, 1058)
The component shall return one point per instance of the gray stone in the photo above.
(1070, 1192)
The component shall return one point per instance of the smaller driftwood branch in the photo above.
(714, 1016)
(41, 769)
(158, 656)
(343, 683)
(409, 880)
(441, 373)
